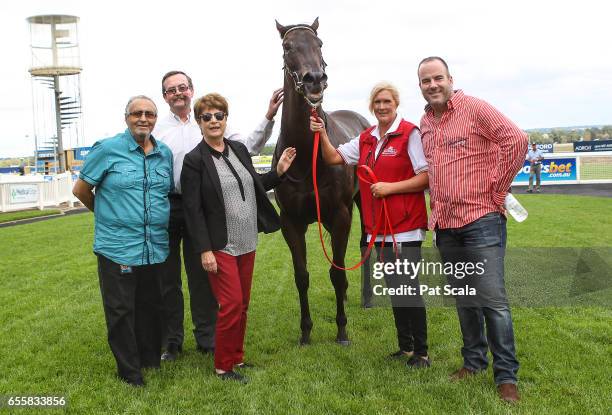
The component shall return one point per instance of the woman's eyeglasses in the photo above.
(207, 116)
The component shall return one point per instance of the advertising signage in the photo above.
(553, 170)
(586, 146)
(544, 148)
(23, 193)
(81, 152)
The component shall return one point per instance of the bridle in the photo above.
(298, 84)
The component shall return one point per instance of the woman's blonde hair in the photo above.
(384, 86)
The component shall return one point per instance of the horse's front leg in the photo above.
(295, 236)
(340, 230)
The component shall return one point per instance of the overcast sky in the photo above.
(541, 63)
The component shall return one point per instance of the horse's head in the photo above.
(303, 60)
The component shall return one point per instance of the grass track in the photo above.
(53, 337)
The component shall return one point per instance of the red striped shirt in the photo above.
(473, 152)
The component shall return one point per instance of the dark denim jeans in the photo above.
(483, 239)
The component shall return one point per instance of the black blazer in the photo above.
(203, 199)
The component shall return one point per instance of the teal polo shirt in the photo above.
(131, 206)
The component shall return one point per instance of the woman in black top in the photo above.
(226, 205)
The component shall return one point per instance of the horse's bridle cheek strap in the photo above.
(298, 85)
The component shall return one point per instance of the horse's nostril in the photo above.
(314, 78)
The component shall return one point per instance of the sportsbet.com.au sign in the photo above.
(23, 193)
(553, 170)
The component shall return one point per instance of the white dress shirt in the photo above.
(182, 137)
(533, 156)
(350, 154)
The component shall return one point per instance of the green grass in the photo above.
(26, 214)
(54, 336)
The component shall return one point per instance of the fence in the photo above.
(27, 192)
(571, 168)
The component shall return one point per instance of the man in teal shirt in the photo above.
(132, 175)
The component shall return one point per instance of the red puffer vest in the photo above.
(406, 210)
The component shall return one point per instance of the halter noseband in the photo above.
(297, 84)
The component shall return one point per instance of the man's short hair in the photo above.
(434, 58)
(383, 86)
(212, 100)
(134, 98)
(172, 73)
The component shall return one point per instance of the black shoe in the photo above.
(231, 375)
(171, 353)
(137, 383)
(418, 362)
(205, 350)
(400, 354)
(245, 365)
(529, 191)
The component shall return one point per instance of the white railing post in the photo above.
(69, 189)
(2, 197)
(41, 196)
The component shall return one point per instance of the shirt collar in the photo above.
(216, 153)
(392, 129)
(178, 119)
(452, 103)
(133, 145)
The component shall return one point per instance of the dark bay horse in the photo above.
(305, 81)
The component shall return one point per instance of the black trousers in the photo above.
(202, 301)
(132, 308)
(409, 313)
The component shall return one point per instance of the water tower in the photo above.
(56, 89)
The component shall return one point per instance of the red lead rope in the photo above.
(365, 175)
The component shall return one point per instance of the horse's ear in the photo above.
(281, 29)
(315, 25)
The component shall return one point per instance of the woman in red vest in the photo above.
(393, 150)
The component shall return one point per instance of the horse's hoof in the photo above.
(344, 342)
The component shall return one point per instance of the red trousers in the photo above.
(231, 286)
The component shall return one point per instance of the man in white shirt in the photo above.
(535, 157)
(180, 131)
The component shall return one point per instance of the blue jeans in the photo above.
(483, 239)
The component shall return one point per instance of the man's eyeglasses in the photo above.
(207, 116)
(172, 91)
(149, 115)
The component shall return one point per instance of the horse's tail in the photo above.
(363, 243)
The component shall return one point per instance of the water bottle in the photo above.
(516, 210)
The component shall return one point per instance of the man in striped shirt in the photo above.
(473, 152)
